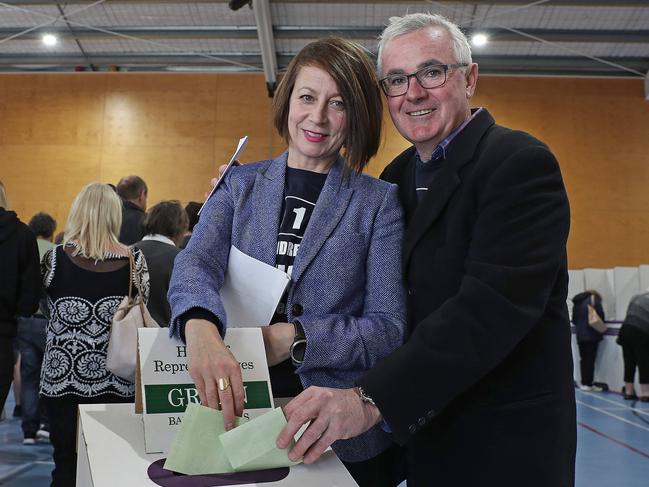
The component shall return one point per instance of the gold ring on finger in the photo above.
(223, 383)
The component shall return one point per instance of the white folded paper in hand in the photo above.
(251, 290)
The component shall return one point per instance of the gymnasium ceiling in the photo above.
(545, 37)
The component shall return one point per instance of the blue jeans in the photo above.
(31, 344)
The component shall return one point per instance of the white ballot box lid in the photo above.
(110, 447)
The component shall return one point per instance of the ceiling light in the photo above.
(479, 40)
(49, 40)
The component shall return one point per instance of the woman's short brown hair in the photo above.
(348, 65)
(166, 218)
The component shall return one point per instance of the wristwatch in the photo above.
(298, 347)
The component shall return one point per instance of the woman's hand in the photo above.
(214, 369)
(277, 340)
(222, 169)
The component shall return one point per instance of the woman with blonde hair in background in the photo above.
(86, 278)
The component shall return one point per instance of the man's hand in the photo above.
(277, 341)
(334, 414)
(214, 369)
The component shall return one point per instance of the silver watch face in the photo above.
(297, 350)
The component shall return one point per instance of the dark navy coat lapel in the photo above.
(444, 185)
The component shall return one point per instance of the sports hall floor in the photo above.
(612, 451)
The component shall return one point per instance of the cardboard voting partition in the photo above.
(576, 285)
(627, 285)
(644, 277)
(167, 388)
(603, 280)
(111, 453)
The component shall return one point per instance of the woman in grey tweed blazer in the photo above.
(346, 297)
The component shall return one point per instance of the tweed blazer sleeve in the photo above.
(364, 277)
(199, 269)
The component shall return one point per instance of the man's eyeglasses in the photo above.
(432, 76)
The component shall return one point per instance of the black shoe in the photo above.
(644, 398)
(18, 411)
(628, 397)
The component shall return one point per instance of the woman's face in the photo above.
(316, 120)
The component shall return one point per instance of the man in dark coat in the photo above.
(482, 392)
(20, 285)
(133, 191)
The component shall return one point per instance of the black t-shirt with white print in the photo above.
(301, 193)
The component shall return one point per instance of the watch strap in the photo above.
(298, 348)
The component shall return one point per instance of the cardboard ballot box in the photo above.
(110, 446)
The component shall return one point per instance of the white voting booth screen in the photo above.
(617, 286)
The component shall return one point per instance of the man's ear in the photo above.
(471, 80)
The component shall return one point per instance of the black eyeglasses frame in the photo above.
(445, 67)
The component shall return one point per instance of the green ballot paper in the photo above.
(202, 446)
(196, 448)
(252, 446)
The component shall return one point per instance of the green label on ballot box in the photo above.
(173, 398)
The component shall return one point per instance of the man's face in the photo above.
(426, 116)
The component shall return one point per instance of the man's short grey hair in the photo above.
(398, 26)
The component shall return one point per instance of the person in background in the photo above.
(43, 225)
(634, 339)
(482, 391)
(192, 209)
(165, 225)
(587, 337)
(17, 382)
(31, 344)
(20, 287)
(85, 278)
(335, 231)
(133, 191)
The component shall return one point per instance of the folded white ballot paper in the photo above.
(251, 290)
(237, 153)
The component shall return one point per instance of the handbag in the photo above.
(130, 315)
(595, 320)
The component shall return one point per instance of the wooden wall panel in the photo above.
(47, 177)
(243, 108)
(60, 131)
(52, 110)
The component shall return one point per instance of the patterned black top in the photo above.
(82, 296)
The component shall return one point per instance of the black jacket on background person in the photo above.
(20, 278)
(132, 223)
(585, 332)
(160, 260)
(483, 387)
